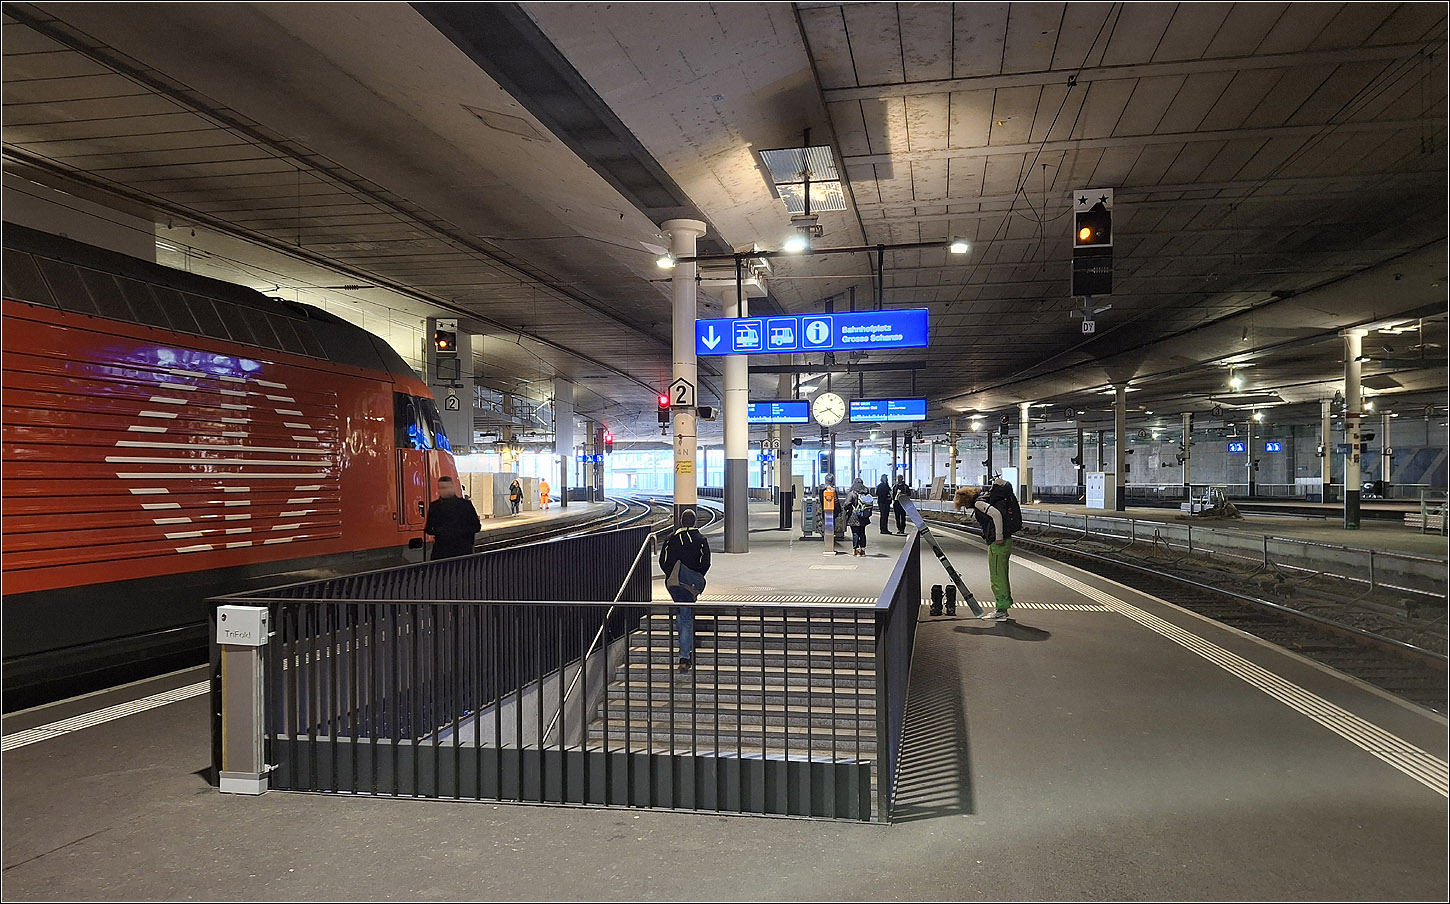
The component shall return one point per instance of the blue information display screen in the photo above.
(1236, 447)
(898, 328)
(790, 411)
(879, 410)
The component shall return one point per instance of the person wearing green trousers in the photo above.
(1000, 516)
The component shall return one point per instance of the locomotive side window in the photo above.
(23, 281)
(410, 427)
(236, 325)
(257, 320)
(440, 436)
(176, 310)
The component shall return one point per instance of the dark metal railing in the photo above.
(423, 681)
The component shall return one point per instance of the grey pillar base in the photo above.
(737, 505)
(1351, 509)
(1122, 505)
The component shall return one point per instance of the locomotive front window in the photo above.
(440, 436)
(410, 426)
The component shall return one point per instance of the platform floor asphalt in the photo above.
(1077, 752)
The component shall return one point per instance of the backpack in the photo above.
(864, 508)
(1006, 503)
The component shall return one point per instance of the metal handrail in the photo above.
(649, 543)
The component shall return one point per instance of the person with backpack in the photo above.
(684, 559)
(902, 491)
(858, 511)
(516, 495)
(1000, 517)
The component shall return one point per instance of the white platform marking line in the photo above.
(101, 716)
(1423, 767)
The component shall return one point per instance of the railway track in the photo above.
(1409, 672)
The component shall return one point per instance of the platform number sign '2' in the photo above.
(682, 393)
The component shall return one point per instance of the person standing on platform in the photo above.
(544, 495)
(1000, 517)
(883, 501)
(516, 495)
(684, 559)
(902, 491)
(858, 510)
(453, 522)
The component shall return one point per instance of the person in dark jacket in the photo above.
(452, 520)
(516, 495)
(688, 548)
(859, 494)
(902, 491)
(883, 502)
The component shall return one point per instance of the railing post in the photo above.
(1371, 570)
(241, 634)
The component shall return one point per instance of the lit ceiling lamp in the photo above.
(665, 261)
(796, 242)
(959, 246)
(1258, 417)
(1235, 380)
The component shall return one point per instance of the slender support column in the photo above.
(1386, 463)
(564, 435)
(1250, 443)
(683, 235)
(784, 460)
(1120, 444)
(1187, 454)
(1081, 466)
(952, 438)
(1353, 348)
(737, 438)
(1326, 458)
(1024, 488)
(991, 466)
(893, 457)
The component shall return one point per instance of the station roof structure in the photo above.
(1279, 175)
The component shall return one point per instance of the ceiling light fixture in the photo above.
(959, 246)
(665, 261)
(796, 243)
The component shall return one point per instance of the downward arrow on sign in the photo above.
(711, 340)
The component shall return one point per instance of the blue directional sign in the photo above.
(1273, 447)
(899, 328)
(1236, 447)
(790, 411)
(878, 410)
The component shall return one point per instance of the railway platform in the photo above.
(1101, 744)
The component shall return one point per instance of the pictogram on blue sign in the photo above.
(852, 331)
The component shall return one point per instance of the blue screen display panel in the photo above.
(888, 329)
(881, 410)
(790, 411)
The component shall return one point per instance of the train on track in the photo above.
(170, 437)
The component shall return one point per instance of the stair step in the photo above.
(772, 738)
(853, 643)
(708, 670)
(708, 718)
(850, 698)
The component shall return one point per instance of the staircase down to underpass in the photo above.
(772, 682)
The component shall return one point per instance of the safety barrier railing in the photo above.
(414, 682)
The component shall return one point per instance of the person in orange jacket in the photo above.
(544, 494)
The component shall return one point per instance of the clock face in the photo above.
(828, 409)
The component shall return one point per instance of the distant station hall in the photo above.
(725, 451)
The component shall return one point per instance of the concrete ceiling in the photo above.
(1279, 170)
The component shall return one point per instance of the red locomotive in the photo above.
(170, 437)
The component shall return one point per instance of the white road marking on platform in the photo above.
(101, 716)
(1425, 768)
